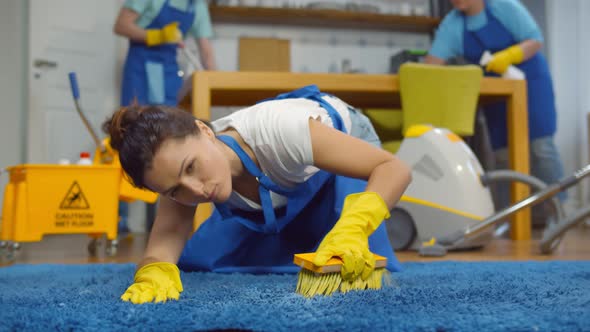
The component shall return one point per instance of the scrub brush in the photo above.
(325, 280)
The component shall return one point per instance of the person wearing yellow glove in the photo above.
(506, 29)
(361, 214)
(156, 28)
(320, 184)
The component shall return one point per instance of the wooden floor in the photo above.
(72, 249)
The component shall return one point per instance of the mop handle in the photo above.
(76, 95)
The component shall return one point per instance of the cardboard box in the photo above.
(264, 54)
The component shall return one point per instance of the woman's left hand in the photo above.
(361, 214)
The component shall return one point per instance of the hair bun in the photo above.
(119, 123)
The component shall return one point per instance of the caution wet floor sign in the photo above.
(75, 198)
(60, 199)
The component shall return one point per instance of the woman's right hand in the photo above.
(158, 280)
(155, 282)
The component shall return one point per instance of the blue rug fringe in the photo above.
(439, 296)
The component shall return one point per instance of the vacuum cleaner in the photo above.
(449, 205)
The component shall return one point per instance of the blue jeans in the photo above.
(545, 165)
(363, 128)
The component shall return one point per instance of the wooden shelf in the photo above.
(322, 18)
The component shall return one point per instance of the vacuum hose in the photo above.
(533, 182)
(538, 197)
(553, 232)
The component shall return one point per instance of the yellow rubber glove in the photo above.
(501, 60)
(156, 282)
(169, 34)
(361, 214)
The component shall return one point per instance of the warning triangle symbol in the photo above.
(75, 198)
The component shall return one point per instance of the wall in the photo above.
(323, 50)
(565, 29)
(13, 55)
(583, 91)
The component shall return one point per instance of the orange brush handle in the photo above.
(333, 265)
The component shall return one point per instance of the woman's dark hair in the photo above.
(138, 131)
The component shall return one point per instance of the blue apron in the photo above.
(541, 101)
(233, 240)
(150, 75)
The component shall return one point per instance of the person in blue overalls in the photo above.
(508, 31)
(285, 177)
(155, 29)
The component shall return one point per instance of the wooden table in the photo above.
(207, 89)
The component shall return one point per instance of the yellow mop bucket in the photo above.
(60, 199)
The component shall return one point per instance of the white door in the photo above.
(69, 36)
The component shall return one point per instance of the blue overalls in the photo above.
(541, 101)
(265, 241)
(151, 73)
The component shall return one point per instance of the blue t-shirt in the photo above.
(448, 41)
(149, 9)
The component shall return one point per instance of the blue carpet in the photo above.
(441, 296)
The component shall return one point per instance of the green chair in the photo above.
(388, 123)
(442, 96)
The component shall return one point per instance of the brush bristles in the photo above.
(311, 283)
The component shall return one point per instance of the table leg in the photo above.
(201, 101)
(518, 154)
